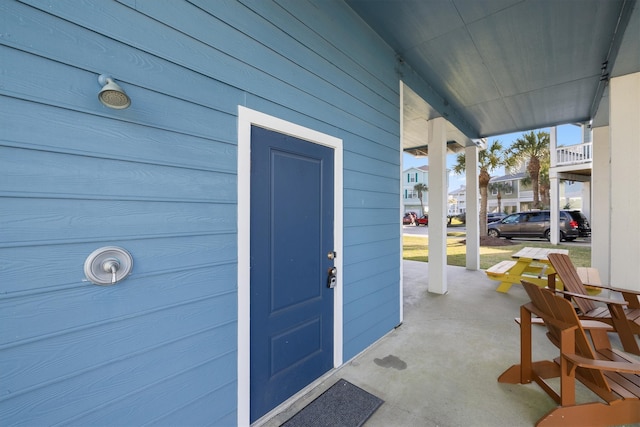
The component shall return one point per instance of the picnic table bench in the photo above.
(530, 264)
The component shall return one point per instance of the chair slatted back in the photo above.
(571, 280)
(558, 315)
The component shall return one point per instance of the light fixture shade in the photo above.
(112, 95)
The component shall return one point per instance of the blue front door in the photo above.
(291, 234)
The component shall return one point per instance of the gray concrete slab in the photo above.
(440, 367)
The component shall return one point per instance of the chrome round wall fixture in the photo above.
(108, 265)
(112, 95)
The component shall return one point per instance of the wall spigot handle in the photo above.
(108, 265)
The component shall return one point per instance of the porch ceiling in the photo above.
(508, 65)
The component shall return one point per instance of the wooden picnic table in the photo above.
(530, 264)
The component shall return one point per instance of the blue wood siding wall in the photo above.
(159, 179)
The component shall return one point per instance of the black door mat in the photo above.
(341, 405)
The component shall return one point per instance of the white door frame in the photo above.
(247, 118)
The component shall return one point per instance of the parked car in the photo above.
(409, 218)
(494, 216)
(573, 224)
(424, 220)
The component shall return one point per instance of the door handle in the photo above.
(332, 279)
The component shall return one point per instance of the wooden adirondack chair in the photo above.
(610, 374)
(624, 316)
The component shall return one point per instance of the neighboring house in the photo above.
(518, 196)
(570, 170)
(457, 201)
(411, 177)
(514, 196)
(509, 194)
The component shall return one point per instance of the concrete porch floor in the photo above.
(440, 367)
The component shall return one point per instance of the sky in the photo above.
(567, 135)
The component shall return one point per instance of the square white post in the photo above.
(624, 122)
(554, 190)
(472, 215)
(438, 206)
(600, 219)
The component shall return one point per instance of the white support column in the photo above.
(624, 122)
(553, 145)
(600, 219)
(554, 216)
(438, 206)
(472, 214)
(400, 214)
(554, 190)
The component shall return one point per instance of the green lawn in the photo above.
(416, 248)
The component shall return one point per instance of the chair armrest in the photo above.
(594, 298)
(603, 365)
(632, 297)
(595, 325)
(586, 324)
(611, 288)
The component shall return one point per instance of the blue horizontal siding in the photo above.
(60, 221)
(61, 40)
(370, 199)
(31, 316)
(177, 407)
(375, 249)
(118, 21)
(358, 303)
(368, 329)
(182, 113)
(371, 182)
(351, 76)
(119, 179)
(363, 162)
(207, 409)
(105, 345)
(279, 54)
(357, 216)
(102, 386)
(369, 269)
(367, 234)
(85, 133)
(160, 179)
(344, 31)
(60, 266)
(359, 326)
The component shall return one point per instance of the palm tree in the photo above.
(530, 149)
(489, 160)
(545, 182)
(421, 189)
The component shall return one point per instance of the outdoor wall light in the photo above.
(112, 95)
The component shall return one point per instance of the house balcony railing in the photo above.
(574, 154)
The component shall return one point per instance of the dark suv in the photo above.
(537, 224)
